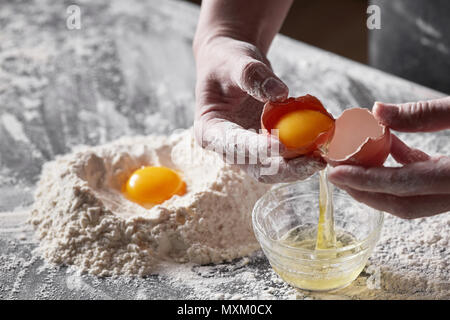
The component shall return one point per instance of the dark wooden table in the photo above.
(129, 70)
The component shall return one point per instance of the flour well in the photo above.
(82, 218)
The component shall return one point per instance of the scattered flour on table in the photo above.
(411, 260)
(82, 218)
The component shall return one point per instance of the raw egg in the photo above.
(359, 139)
(149, 186)
(303, 124)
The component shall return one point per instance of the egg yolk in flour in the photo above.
(149, 186)
(301, 127)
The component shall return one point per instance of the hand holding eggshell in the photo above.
(234, 80)
(421, 187)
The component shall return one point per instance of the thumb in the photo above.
(258, 80)
(427, 116)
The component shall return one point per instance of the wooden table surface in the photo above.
(129, 70)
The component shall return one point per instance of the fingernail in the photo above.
(274, 89)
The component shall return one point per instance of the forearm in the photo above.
(253, 21)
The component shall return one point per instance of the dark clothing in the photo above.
(414, 41)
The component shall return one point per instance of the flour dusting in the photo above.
(112, 79)
(82, 218)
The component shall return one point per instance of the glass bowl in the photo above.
(296, 205)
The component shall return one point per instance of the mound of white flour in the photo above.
(83, 219)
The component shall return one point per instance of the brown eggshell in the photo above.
(359, 139)
(273, 111)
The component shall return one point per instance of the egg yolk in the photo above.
(301, 127)
(150, 186)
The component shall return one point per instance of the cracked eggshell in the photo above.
(273, 111)
(359, 139)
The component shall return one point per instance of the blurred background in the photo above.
(413, 42)
(336, 26)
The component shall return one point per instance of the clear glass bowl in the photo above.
(297, 205)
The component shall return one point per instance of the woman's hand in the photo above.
(422, 186)
(234, 80)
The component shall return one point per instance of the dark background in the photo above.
(338, 26)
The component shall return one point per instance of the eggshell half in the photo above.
(359, 139)
(273, 111)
